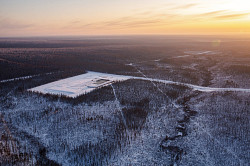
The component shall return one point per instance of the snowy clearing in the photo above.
(85, 83)
(78, 85)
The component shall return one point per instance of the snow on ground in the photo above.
(157, 60)
(130, 64)
(85, 83)
(78, 85)
(24, 78)
(182, 56)
(196, 87)
(200, 52)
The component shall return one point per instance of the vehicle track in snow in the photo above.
(119, 108)
(176, 152)
(194, 87)
(26, 77)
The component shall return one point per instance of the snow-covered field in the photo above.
(201, 52)
(85, 83)
(78, 85)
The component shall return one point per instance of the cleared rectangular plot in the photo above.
(78, 85)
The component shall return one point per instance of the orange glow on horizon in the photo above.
(118, 17)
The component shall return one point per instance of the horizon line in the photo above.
(245, 34)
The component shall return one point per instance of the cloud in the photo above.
(160, 18)
(136, 23)
(75, 22)
(213, 13)
(219, 15)
(144, 13)
(139, 21)
(187, 6)
(11, 24)
(232, 16)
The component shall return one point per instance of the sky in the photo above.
(123, 17)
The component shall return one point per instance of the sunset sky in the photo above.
(122, 17)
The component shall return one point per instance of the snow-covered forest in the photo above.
(187, 102)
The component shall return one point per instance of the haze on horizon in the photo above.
(117, 17)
